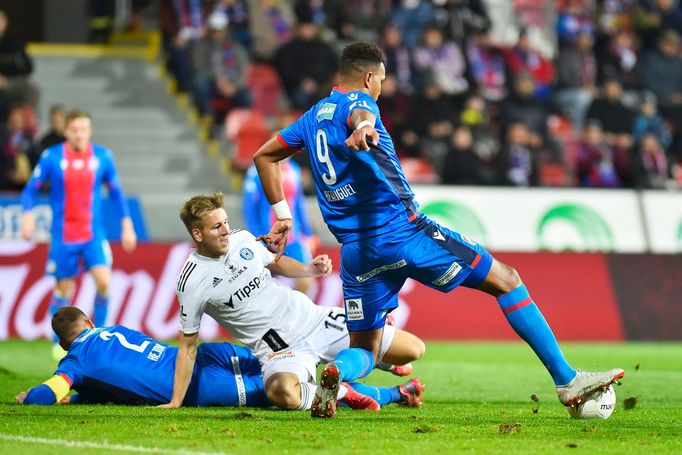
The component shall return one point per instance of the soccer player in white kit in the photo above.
(228, 276)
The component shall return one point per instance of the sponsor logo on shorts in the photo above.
(383, 268)
(280, 356)
(246, 253)
(449, 275)
(354, 310)
(438, 236)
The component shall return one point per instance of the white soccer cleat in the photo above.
(324, 403)
(586, 383)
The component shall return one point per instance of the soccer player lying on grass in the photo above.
(122, 366)
(228, 277)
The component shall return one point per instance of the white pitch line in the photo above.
(100, 445)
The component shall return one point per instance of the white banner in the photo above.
(512, 219)
(663, 213)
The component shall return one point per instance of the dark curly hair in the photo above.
(360, 57)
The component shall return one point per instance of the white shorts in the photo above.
(322, 346)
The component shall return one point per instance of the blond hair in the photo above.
(194, 210)
(77, 113)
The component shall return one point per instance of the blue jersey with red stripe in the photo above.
(76, 179)
(120, 365)
(258, 213)
(361, 194)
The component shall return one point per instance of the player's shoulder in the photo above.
(240, 236)
(191, 274)
(53, 152)
(101, 151)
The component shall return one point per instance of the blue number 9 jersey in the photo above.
(361, 194)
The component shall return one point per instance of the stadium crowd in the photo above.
(604, 111)
(589, 95)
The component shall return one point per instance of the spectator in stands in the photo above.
(660, 72)
(572, 18)
(487, 67)
(57, 124)
(237, 14)
(461, 19)
(654, 170)
(523, 58)
(271, 26)
(652, 17)
(461, 164)
(596, 167)
(412, 17)
(475, 117)
(18, 153)
(306, 65)
(182, 23)
(442, 62)
(614, 117)
(398, 59)
(576, 78)
(522, 107)
(396, 111)
(15, 67)
(219, 65)
(433, 115)
(650, 122)
(619, 60)
(516, 163)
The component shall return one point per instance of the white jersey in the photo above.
(238, 291)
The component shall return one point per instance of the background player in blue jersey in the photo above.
(75, 171)
(259, 216)
(369, 207)
(122, 366)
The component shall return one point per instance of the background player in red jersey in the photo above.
(76, 170)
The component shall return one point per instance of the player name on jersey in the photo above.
(340, 193)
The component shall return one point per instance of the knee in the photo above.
(510, 279)
(416, 350)
(64, 288)
(282, 393)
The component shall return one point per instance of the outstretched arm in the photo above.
(184, 366)
(267, 160)
(320, 266)
(49, 392)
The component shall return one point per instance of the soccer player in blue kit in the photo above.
(123, 366)
(370, 208)
(76, 170)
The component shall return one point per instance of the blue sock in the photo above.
(527, 321)
(354, 363)
(57, 302)
(101, 310)
(383, 395)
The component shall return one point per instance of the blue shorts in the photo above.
(374, 270)
(64, 259)
(298, 251)
(227, 375)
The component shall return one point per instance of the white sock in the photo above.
(384, 366)
(307, 395)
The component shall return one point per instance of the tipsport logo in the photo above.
(458, 217)
(574, 227)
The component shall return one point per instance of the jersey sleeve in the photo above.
(364, 102)
(70, 369)
(293, 136)
(40, 175)
(192, 305)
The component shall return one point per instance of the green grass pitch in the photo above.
(478, 400)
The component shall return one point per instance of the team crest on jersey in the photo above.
(354, 310)
(246, 253)
(326, 112)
